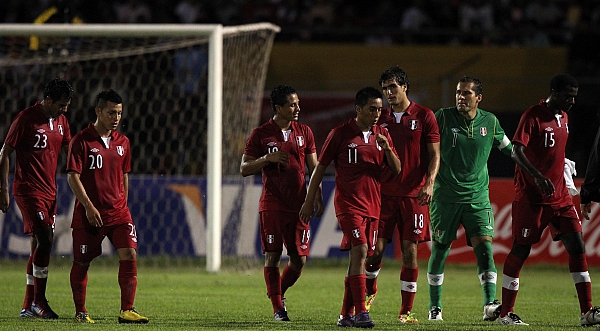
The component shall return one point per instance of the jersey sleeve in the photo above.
(525, 129)
(127, 158)
(253, 145)
(76, 155)
(431, 128)
(66, 132)
(16, 131)
(311, 146)
(330, 147)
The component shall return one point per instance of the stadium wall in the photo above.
(170, 217)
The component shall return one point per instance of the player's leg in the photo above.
(445, 220)
(86, 247)
(272, 246)
(297, 240)
(357, 232)
(388, 219)
(124, 239)
(29, 288)
(413, 228)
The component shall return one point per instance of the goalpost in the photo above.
(101, 46)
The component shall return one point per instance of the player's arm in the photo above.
(126, 185)
(314, 184)
(93, 216)
(391, 158)
(311, 163)
(5, 153)
(251, 165)
(543, 182)
(426, 192)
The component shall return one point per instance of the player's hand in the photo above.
(425, 195)
(383, 142)
(586, 209)
(278, 157)
(545, 185)
(307, 210)
(93, 216)
(319, 208)
(4, 201)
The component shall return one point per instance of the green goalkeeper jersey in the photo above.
(465, 147)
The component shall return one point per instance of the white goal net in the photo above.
(171, 87)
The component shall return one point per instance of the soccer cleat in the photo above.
(511, 319)
(83, 317)
(591, 317)
(345, 322)
(132, 316)
(435, 314)
(407, 318)
(369, 298)
(491, 311)
(281, 315)
(363, 320)
(43, 310)
(27, 313)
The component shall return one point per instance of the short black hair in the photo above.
(107, 95)
(396, 73)
(366, 93)
(57, 89)
(562, 82)
(279, 95)
(477, 86)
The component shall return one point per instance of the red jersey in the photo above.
(101, 167)
(284, 186)
(410, 132)
(544, 136)
(37, 141)
(359, 163)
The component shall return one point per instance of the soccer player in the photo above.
(360, 150)
(542, 199)
(461, 193)
(405, 197)
(280, 149)
(37, 134)
(97, 171)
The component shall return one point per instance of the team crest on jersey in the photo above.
(60, 129)
(300, 140)
(83, 249)
(120, 150)
(413, 124)
(525, 233)
(483, 131)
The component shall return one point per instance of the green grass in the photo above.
(186, 297)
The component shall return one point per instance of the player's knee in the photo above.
(521, 251)
(573, 243)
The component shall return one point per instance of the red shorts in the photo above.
(280, 228)
(530, 220)
(37, 212)
(358, 230)
(87, 242)
(407, 215)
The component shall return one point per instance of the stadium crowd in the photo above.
(534, 23)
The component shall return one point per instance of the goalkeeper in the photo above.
(461, 193)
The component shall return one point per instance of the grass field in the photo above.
(186, 297)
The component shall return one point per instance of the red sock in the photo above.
(358, 288)
(512, 268)
(288, 278)
(29, 287)
(273, 281)
(347, 303)
(127, 282)
(79, 281)
(408, 289)
(371, 283)
(578, 265)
